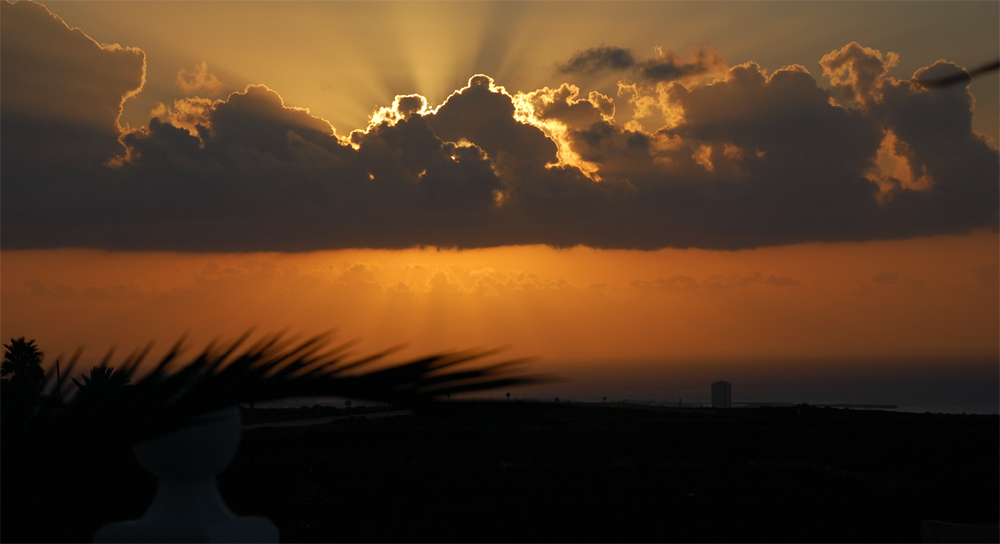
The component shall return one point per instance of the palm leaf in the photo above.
(274, 367)
(964, 76)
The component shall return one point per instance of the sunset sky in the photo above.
(644, 196)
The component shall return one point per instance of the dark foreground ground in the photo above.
(560, 472)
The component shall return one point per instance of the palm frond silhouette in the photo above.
(963, 76)
(101, 379)
(116, 406)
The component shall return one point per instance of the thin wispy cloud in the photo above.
(663, 66)
(199, 80)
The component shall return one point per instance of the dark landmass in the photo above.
(257, 416)
(511, 471)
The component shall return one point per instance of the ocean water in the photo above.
(988, 409)
(981, 409)
(937, 386)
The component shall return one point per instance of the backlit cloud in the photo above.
(62, 95)
(54, 73)
(857, 72)
(199, 80)
(743, 158)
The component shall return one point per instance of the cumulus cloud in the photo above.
(857, 72)
(61, 75)
(199, 80)
(61, 95)
(961, 76)
(483, 114)
(746, 159)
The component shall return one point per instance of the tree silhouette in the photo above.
(23, 361)
(20, 387)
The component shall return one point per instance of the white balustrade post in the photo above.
(187, 506)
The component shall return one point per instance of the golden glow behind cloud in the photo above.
(325, 55)
(892, 169)
(199, 80)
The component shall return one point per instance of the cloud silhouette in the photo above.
(664, 66)
(482, 114)
(599, 58)
(749, 159)
(61, 75)
(61, 95)
(669, 66)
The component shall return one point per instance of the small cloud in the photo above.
(780, 281)
(715, 283)
(186, 113)
(600, 58)
(58, 292)
(669, 66)
(664, 66)
(199, 80)
(676, 284)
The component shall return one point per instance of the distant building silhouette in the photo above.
(722, 395)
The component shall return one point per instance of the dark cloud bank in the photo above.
(754, 160)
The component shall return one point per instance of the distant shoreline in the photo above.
(977, 409)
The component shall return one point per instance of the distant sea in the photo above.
(991, 410)
(917, 409)
(944, 386)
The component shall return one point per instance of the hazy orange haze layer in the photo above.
(934, 297)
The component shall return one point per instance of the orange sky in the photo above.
(928, 297)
